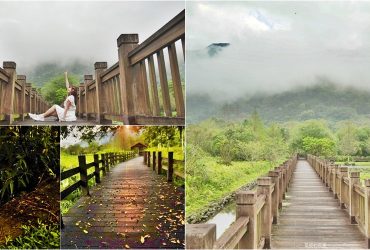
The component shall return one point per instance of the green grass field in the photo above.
(210, 181)
(364, 168)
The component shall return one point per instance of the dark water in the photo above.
(223, 219)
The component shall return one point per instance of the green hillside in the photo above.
(323, 101)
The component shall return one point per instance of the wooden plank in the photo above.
(260, 202)
(176, 81)
(164, 84)
(153, 87)
(68, 173)
(231, 237)
(359, 189)
(110, 72)
(69, 190)
(169, 33)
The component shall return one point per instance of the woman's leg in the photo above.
(50, 112)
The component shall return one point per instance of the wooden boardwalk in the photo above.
(53, 121)
(133, 207)
(312, 218)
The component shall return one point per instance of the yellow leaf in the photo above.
(127, 246)
(85, 231)
(142, 239)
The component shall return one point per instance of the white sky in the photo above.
(34, 32)
(276, 45)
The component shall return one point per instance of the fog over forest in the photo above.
(35, 33)
(276, 46)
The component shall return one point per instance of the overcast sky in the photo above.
(34, 32)
(276, 45)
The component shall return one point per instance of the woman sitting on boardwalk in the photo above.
(68, 113)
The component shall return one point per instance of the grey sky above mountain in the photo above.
(275, 46)
(36, 32)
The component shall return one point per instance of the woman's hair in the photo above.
(73, 92)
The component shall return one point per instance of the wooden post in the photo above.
(281, 189)
(275, 175)
(148, 159)
(367, 211)
(22, 109)
(88, 98)
(28, 98)
(176, 80)
(100, 97)
(103, 164)
(127, 73)
(83, 174)
(82, 101)
(343, 195)
(7, 97)
(264, 186)
(200, 236)
(170, 167)
(246, 206)
(145, 156)
(159, 167)
(97, 169)
(154, 160)
(354, 178)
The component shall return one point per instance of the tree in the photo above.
(319, 146)
(55, 91)
(348, 143)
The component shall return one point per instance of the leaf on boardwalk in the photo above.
(142, 240)
(127, 246)
(85, 231)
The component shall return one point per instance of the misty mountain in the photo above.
(44, 72)
(322, 101)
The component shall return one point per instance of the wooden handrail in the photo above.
(256, 211)
(231, 237)
(348, 189)
(103, 164)
(124, 93)
(17, 97)
(155, 160)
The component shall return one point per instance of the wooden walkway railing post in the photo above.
(265, 187)
(367, 211)
(170, 167)
(275, 175)
(342, 187)
(154, 161)
(83, 174)
(159, 167)
(21, 79)
(7, 97)
(97, 169)
(246, 206)
(89, 98)
(200, 236)
(104, 164)
(148, 160)
(128, 74)
(353, 208)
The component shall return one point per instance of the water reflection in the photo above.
(223, 219)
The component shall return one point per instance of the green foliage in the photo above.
(54, 91)
(165, 136)
(324, 100)
(28, 155)
(318, 146)
(36, 236)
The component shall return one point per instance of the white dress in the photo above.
(71, 113)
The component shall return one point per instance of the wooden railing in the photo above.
(17, 97)
(348, 189)
(158, 163)
(122, 92)
(101, 163)
(256, 211)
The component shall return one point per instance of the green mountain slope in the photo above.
(322, 101)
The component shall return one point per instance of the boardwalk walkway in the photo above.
(133, 207)
(52, 121)
(312, 218)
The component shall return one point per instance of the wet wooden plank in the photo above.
(131, 202)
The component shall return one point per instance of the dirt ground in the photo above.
(43, 203)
